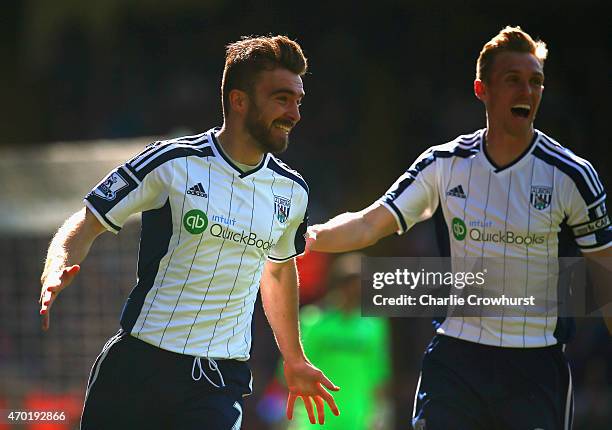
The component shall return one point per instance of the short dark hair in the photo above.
(509, 39)
(246, 58)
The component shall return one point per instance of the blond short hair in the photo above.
(509, 39)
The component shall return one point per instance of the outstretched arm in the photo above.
(69, 247)
(350, 231)
(279, 294)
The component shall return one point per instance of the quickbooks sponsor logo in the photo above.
(483, 235)
(459, 229)
(250, 239)
(195, 221)
(508, 237)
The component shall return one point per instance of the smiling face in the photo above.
(274, 108)
(512, 93)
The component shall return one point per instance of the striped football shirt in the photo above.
(207, 230)
(513, 217)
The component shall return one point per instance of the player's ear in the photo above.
(479, 89)
(238, 100)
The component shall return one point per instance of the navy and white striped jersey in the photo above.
(207, 230)
(513, 215)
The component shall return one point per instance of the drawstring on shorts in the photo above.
(212, 365)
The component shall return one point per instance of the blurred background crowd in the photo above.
(386, 81)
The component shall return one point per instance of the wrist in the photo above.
(295, 359)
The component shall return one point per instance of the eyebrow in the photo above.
(288, 91)
(519, 71)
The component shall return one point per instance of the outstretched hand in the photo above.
(306, 381)
(52, 285)
(311, 237)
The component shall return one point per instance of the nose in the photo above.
(294, 112)
(526, 88)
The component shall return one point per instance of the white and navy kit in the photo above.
(504, 372)
(207, 230)
(514, 215)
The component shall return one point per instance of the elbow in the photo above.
(369, 234)
(369, 240)
(91, 224)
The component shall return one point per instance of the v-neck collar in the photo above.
(212, 133)
(518, 160)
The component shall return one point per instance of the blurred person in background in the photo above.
(510, 192)
(219, 214)
(352, 350)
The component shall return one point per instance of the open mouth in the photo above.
(521, 110)
(285, 127)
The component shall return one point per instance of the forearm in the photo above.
(71, 243)
(345, 232)
(279, 295)
(350, 231)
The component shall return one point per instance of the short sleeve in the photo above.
(414, 196)
(587, 214)
(292, 243)
(121, 193)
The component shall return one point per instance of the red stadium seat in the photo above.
(312, 267)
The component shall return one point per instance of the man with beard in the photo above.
(219, 215)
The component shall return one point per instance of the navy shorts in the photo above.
(134, 385)
(470, 386)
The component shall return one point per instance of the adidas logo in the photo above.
(197, 190)
(456, 192)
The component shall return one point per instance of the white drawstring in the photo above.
(212, 364)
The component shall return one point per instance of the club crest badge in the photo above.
(540, 197)
(281, 208)
(108, 188)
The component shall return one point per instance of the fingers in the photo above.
(320, 409)
(52, 288)
(309, 241)
(330, 401)
(45, 301)
(327, 383)
(309, 409)
(64, 279)
(311, 233)
(69, 273)
(42, 294)
(311, 237)
(45, 321)
(45, 308)
(48, 296)
(309, 383)
(290, 405)
(320, 404)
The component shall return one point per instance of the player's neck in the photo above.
(503, 148)
(239, 146)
